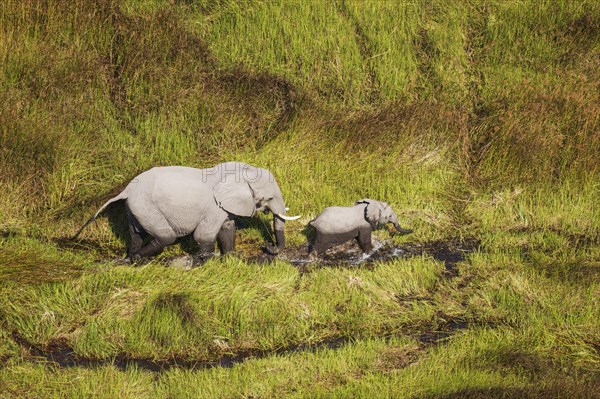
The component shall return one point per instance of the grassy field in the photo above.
(478, 121)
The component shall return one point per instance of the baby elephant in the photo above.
(338, 224)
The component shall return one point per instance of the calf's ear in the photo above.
(372, 211)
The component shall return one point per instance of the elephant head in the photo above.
(377, 212)
(244, 189)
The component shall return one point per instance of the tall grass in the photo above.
(473, 119)
(131, 85)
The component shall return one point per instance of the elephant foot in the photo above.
(122, 261)
(271, 249)
(367, 249)
(134, 260)
(201, 258)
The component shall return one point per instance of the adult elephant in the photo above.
(174, 201)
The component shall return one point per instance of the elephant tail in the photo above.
(123, 195)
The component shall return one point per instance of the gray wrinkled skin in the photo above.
(174, 201)
(338, 224)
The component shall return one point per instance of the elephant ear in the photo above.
(372, 211)
(235, 197)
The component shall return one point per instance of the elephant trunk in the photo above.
(401, 230)
(278, 224)
(277, 207)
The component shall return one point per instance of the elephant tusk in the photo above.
(287, 217)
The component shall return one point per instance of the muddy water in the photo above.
(349, 255)
(60, 355)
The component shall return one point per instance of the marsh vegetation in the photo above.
(477, 121)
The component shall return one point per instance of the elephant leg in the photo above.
(226, 237)
(206, 241)
(322, 243)
(136, 234)
(364, 239)
(153, 247)
(206, 237)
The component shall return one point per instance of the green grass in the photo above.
(124, 310)
(477, 121)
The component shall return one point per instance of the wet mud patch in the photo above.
(435, 336)
(449, 252)
(398, 357)
(58, 353)
(349, 255)
(581, 273)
